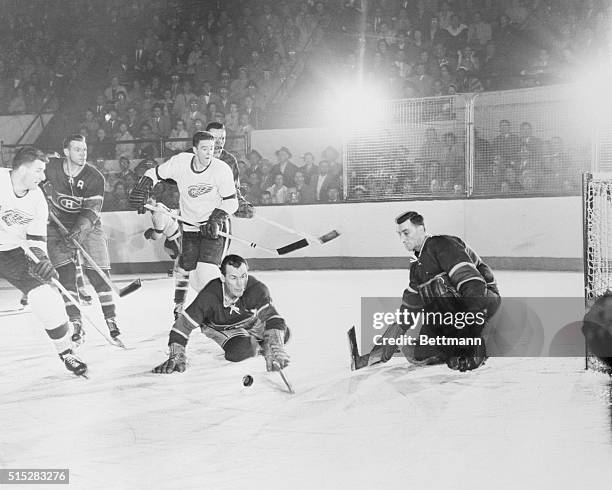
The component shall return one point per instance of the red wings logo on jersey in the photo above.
(16, 217)
(198, 190)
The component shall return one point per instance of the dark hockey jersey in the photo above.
(210, 310)
(466, 272)
(82, 194)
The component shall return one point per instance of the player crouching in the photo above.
(23, 222)
(235, 311)
(450, 298)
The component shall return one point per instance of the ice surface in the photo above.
(515, 423)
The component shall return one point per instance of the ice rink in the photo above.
(515, 423)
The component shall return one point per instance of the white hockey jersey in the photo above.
(200, 191)
(21, 217)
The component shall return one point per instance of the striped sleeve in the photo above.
(454, 259)
(266, 311)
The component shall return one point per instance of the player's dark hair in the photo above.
(201, 136)
(73, 137)
(214, 125)
(27, 154)
(412, 216)
(233, 260)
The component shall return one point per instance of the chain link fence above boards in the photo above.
(415, 148)
(511, 143)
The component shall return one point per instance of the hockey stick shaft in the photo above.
(221, 233)
(284, 378)
(26, 249)
(133, 286)
(321, 240)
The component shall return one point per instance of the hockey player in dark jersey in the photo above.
(447, 277)
(75, 191)
(235, 311)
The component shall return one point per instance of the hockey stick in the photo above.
(279, 251)
(26, 249)
(130, 288)
(321, 240)
(284, 377)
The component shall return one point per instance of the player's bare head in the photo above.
(203, 146)
(411, 230)
(29, 165)
(235, 274)
(75, 149)
(217, 129)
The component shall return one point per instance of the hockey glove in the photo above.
(78, 232)
(467, 358)
(211, 228)
(245, 210)
(140, 194)
(177, 361)
(439, 294)
(43, 270)
(274, 350)
(149, 234)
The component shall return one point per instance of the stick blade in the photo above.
(328, 237)
(130, 288)
(292, 247)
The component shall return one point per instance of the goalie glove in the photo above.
(467, 358)
(245, 210)
(43, 270)
(177, 361)
(211, 228)
(140, 194)
(274, 350)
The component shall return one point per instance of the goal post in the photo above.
(597, 244)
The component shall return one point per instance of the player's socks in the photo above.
(78, 333)
(73, 363)
(113, 329)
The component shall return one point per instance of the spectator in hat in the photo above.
(223, 101)
(285, 167)
(192, 113)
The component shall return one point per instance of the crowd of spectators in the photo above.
(508, 164)
(226, 63)
(441, 47)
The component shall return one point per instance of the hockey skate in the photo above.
(73, 363)
(114, 332)
(78, 333)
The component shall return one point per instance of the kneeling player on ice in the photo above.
(23, 222)
(207, 196)
(235, 311)
(448, 279)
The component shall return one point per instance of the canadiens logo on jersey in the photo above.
(198, 190)
(69, 203)
(15, 217)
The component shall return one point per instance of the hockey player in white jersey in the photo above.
(207, 196)
(23, 221)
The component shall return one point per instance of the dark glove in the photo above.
(274, 349)
(140, 194)
(467, 358)
(211, 228)
(43, 270)
(177, 361)
(78, 232)
(148, 234)
(245, 210)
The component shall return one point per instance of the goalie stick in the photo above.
(130, 288)
(323, 239)
(279, 251)
(357, 361)
(14, 311)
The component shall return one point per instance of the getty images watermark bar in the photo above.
(33, 476)
(521, 327)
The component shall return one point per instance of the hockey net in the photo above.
(597, 216)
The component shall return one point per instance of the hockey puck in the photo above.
(247, 380)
